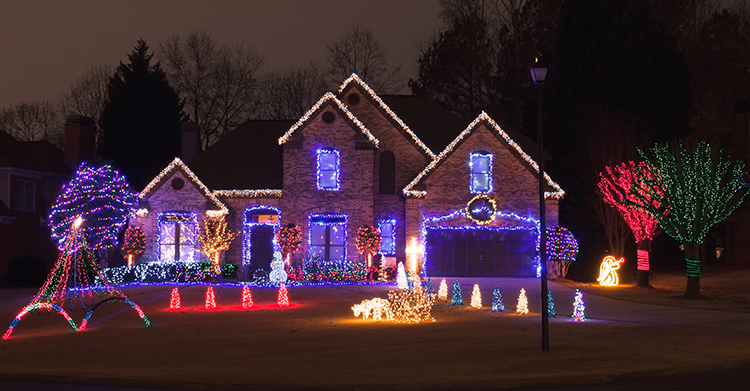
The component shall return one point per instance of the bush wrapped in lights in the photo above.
(315, 270)
(368, 242)
(289, 239)
(561, 250)
(411, 306)
(160, 272)
(133, 243)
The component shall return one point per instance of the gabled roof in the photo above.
(40, 156)
(249, 157)
(176, 165)
(409, 189)
(354, 79)
(329, 97)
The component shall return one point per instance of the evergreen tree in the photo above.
(141, 119)
(457, 298)
(579, 307)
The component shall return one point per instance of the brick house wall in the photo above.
(355, 196)
(190, 198)
(409, 160)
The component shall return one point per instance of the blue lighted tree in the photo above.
(102, 197)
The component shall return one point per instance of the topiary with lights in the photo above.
(561, 250)
(368, 242)
(289, 240)
(133, 243)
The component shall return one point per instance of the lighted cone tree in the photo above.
(579, 307)
(522, 308)
(247, 298)
(617, 186)
(289, 239)
(283, 299)
(215, 238)
(457, 297)
(210, 299)
(497, 301)
(442, 294)
(368, 242)
(476, 297)
(550, 305)
(401, 280)
(133, 243)
(70, 281)
(174, 300)
(701, 188)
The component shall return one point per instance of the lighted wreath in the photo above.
(481, 209)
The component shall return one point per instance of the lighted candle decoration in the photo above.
(608, 271)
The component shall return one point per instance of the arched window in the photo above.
(387, 178)
(480, 164)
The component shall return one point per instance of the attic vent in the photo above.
(178, 183)
(353, 99)
(329, 117)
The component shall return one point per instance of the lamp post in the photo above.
(538, 74)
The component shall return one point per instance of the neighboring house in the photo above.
(356, 159)
(31, 175)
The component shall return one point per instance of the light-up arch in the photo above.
(36, 306)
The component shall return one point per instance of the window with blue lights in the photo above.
(480, 163)
(387, 229)
(329, 163)
(327, 236)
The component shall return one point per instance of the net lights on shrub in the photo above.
(608, 271)
(177, 164)
(411, 306)
(102, 197)
(326, 98)
(409, 191)
(356, 79)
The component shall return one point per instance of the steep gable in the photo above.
(354, 81)
(318, 107)
(410, 190)
(178, 166)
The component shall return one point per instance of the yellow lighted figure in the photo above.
(413, 252)
(608, 271)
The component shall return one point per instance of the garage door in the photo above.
(481, 252)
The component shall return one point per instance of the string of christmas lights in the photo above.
(210, 299)
(550, 305)
(215, 238)
(329, 97)
(248, 223)
(283, 298)
(315, 270)
(247, 298)
(289, 239)
(133, 243)
(579, 307)
(561, 245)
(355, 78)
(411, 306)
(368, 242)
(376, 307)
(409, 191)
(260, 193)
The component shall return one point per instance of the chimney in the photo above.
(80, 140)
(190, 141)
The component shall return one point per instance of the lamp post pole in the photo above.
(538, 74)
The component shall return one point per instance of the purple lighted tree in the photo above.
(102, 197)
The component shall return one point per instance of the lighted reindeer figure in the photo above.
(608, 271)
(377, 307)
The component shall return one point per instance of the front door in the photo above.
(261, 245)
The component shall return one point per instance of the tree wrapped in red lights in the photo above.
(561, 250)
(701, 187)
(618, 187)
(133, 243)
(289, 239)
(102, 197)
(368, 242)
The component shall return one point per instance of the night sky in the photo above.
(46, 45)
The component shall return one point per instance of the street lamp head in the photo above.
(538, 71)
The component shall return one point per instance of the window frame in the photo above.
(336, 171)
(472, 173)
(392, 238)
(23, 201)
(327, 220)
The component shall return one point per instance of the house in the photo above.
(31, 175)
(466, 194)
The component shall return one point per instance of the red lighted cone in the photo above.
(174, 301)
(247, 298)
(210, 298)
(283, 300)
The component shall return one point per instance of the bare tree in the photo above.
(359, 52)
(88, 95)
(218, 84)
(287, 95)
(33, 122)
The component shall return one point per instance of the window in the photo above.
(387, 173)
(480, 163)
(387, 229)
(260, 224)
(328, 169)
(177, 236)
(328, 236)
(25, 195)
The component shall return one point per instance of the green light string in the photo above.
(693, 267)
